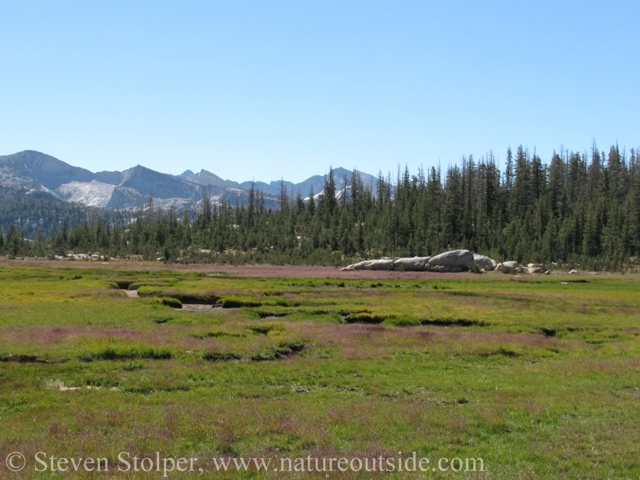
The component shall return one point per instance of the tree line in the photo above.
(576, 208)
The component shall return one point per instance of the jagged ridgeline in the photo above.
(572, 208)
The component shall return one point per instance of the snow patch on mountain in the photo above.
(91, 194)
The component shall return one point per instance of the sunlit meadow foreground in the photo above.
(539, 376)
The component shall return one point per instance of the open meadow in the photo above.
(538, 376)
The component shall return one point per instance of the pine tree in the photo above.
(13, 241)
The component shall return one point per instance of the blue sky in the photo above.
(269, 89)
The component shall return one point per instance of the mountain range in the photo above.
(34, 173)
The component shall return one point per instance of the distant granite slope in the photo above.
(91, 194)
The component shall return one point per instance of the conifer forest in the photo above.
(573, 208)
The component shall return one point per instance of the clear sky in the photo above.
(269, 89)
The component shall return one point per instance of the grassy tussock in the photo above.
(131, 353)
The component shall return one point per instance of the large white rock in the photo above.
(382, 264)
(415, 264)
(484, 262)
(451, 259)
(357, 266)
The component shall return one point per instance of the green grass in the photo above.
(538, 378)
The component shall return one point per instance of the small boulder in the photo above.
(484, 263)
(509, 267)
(415, 264)
(536, 268)
(440, 268)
